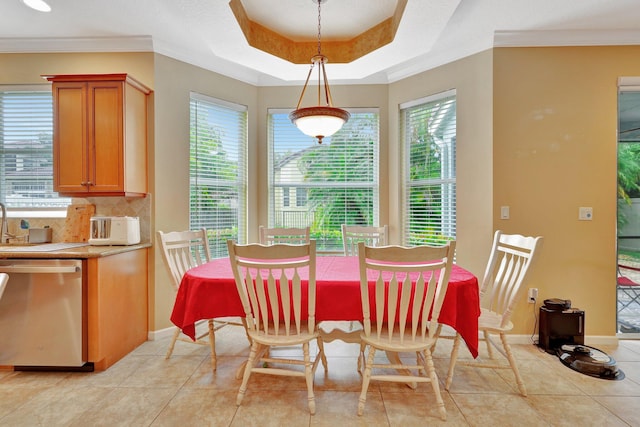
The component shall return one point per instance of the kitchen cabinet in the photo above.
(117, 301)
(99, 135)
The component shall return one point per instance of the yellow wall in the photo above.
(170, 176)
(555, 120)
(27, 68)
(471, 77)
(536, 132)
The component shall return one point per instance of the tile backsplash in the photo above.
(105, 206)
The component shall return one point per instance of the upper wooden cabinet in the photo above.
(99, 135)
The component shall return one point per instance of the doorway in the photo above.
(628, 217)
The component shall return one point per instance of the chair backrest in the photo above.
(182, 250)
(507, 272)
(259, 271)
(401, 276)
(371, 236)
(4, 278)
(290, 235)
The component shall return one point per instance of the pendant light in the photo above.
(319, 121)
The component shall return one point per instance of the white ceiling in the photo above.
(205, 32)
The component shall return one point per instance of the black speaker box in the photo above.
(558, 327)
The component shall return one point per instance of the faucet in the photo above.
(4, 229)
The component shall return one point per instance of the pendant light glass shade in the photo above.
(319, 121)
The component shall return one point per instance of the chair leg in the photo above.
(514, 366)
(212, 344)
(308, 375)
(321, 354)
(487, 340)
(247, 372)
(176, 334)
(452, 361)
(366, 378)
(431, 370)
(361, 358)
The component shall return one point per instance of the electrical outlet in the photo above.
(532, 296)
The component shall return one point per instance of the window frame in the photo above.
(218, 235)
(328, 240)
(29, 209)
(448, 176)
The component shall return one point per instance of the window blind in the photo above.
(324, 185)
(26, 150)
(218, 140)
(428, 132)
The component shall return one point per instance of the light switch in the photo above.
(585, 214)
(504, 212)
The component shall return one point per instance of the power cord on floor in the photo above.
(535, 324)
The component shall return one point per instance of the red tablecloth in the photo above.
(209, 291)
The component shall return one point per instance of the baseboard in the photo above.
(591, 340)
(161, 333)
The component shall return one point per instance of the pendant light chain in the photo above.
(319, 2)
(320, 120)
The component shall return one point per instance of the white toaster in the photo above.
(114, 230)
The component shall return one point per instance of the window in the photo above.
(428, 135)
(218, 143)
(333, 183)
(26, 150)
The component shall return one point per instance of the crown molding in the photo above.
(76, 44)
(565, 38)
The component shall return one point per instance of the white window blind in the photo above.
(324, 186)
(26, 150)
(218, 143)
(428, 129)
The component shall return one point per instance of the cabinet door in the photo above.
(70, 137)
(105, 106)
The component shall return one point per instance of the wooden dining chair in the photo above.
(627, 286)
(276, 315)
(291, 235)
(507, 271)
(370, 235)
(181, 251)
(393, 322)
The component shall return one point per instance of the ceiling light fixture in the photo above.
(39, 5)
(322, 120)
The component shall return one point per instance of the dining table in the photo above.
(209, 291)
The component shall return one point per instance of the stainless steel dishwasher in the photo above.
(41, 314)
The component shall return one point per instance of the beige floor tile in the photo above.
(273, 408)
(224, 377)
(339, 408)
(198, 407)
(13, 398)
(625, 407)
(144, 389)
(498, 410)
(112, 377)
(160, 372)
(541, 378)
(467, 379)
(126, 407)
(573, 411)
(342, 375)
(420, 408)
(56, 406)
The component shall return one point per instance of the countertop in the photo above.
(82, 252)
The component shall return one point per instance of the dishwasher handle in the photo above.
(39, 269)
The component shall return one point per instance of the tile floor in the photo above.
(144, 389)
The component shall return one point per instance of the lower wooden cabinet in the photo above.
(117, 306)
